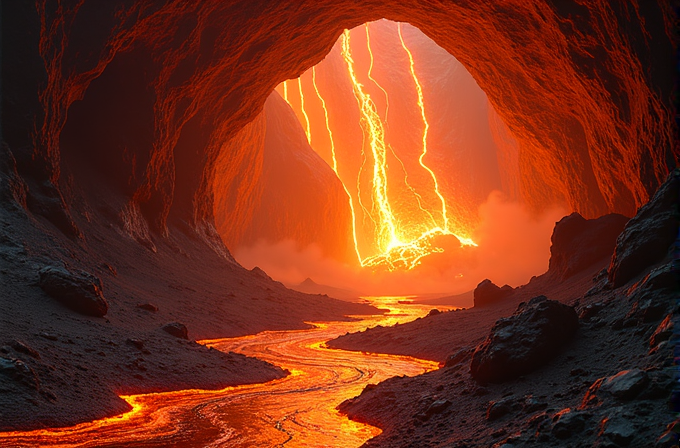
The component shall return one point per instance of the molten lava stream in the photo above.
(298, 410)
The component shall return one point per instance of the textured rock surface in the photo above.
(295, 195)
(80, 291)
(647, 237)
(164, 85)
(487, 293)
(577, 242)
(525, 341)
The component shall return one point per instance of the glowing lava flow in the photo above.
(421, 105)
(419, 198)
(400, 243)
(335, 164)
(302, 107)
(296, 411)
(387, 237)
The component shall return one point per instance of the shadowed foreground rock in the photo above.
(646, 238)
(80, 291)
(524, 341)
(577, 242)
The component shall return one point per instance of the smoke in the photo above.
(513, 246)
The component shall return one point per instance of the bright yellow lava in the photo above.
(304, 113)
(400, 245)
(296, 411)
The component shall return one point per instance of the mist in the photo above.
(513, 245)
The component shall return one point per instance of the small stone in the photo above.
(566, 423)
(148, 307)
(498, 409)
(625, 384)
(176, 329)
(135, 342)
(437, 407)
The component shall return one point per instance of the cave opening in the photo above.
(417, 149)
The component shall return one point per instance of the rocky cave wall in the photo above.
(141, 97)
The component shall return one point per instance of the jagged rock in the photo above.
(577, 242)
(148, 307)
(19, 371)
(625, 385)
(653, 296)
(663, 332)
(487, 293)
(80, 291)
(646, 238)
(568, 422)
(433, 312)
(176, 329)
(525, 341)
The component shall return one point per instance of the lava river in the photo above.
(295, 411)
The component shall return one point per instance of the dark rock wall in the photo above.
(147, 93)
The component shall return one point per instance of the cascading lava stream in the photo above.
(400, 239)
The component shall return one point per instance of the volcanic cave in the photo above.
(153, 148)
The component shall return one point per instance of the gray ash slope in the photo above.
(607, 386)
(61, 365)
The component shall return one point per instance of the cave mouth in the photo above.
(409, 148)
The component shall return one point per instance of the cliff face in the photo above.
(291, 194)
(164, 85)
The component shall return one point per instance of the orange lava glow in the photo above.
(401, 239)
(298, 410)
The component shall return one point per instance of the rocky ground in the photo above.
(604, 379)
(85, 318)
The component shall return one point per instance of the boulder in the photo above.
(498, 409)
(80, 291)
(487, 293)
(577, 242)
(646, 238)
(176, 329)
(524, 341)
(625, 385)
(568, 422)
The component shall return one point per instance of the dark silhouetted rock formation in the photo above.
(80, 291)
(176, 329)
(525, 341)
(487, 293)
(577, 242)
(647, 237)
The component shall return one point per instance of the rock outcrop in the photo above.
(647, 237)
(525, 341)
(80, 291)
(577, 242)
(487, 293)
